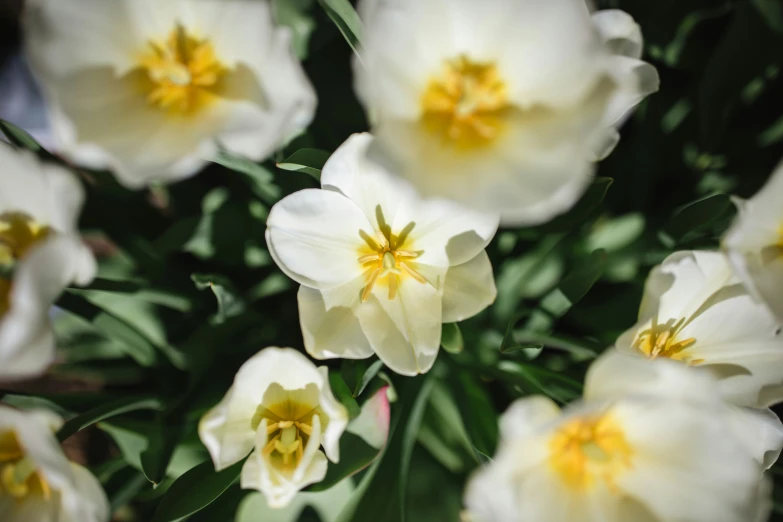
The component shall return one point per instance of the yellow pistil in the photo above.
(289, 423)
(590, 449)
(387, 259)
(184, 71)
(18, 233)
(467, 105)
(19, 477)
(660, 340)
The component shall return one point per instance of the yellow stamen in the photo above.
(19, 475)
(467, 105)
(18, 234)
(660, 340)
(184, 70)
(588, 449)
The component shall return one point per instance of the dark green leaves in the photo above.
(355, 455)
(695, 217)
(346, 19)
(451, 338)
(309, 161)
(195, 490)
(19, 137)
(107, 411)
(230, 303)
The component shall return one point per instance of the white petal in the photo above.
(314, 236)
(335, 419)
(621, 33)
(469, 289)
(404, 331)
(89, 502)
(372, 424)
(528, 415)
(226, 430)
(616, 374)
(761, 431)
(332, 333)
(26, 338)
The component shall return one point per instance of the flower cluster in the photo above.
(482, 114)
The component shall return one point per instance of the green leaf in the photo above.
(367, 376)
(451, 338)
(443, 432)
(346, 19)
(575, 285)
(258, 177)
(772, 10)
(533, 379)
(139, 289)
(355, 455)
(18, 136)
(343, 394)
(478, 411)
(523, 340)
(107, 411)
(694, 217)
(292, 14)
(230, 304)
(309, 161)
(195, 490)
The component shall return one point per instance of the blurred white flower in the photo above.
(151, 89)
(21, 101)
(651, 442)
(754, 243)
(502, 106)
(37, 483)
(696, 311)
(282, 408)
(40, 254)
(381, 269)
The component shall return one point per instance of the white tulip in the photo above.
(282, 409)
(40, 254)
(152, 88)
(37, 483)
(651, 442)
(502, 106)
(380, 268)
(695, 310)
(754, 243)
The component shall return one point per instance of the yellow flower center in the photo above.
(388, 258)
(588, 449)
(184, 71)
(289, 423)
(18, 233)
(660, 340)
(5, 295)
(467, 105)
(19, 477)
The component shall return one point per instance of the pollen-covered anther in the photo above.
(390, 265)
(661, 341)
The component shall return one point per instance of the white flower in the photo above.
(282, 408)
(380, 268)
(151, 88)
(499, 105)
(696, 311)
(651, 442)
(754, 243)
(40, 254)
(37, 483)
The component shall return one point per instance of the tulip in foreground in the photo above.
(696, 311)
(37, 483)
(152, 89)
(381, 268)
(40, 254)
(502, 106)
(651, 442)
(754, 243)
(282, 409)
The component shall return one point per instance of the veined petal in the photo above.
(469, 289)
(404, 331)
(330, 333)
(314, 236)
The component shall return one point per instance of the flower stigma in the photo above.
(660, 340)
(467, 105)
(290, 416)
(387, 259)
(19, 477)
(588, 449)
(184, 71)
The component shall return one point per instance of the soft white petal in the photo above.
(760, 430)
(335, 419)
(331, 333)
(314, 236)
(621, 33)
(404, 331)
(469, 289)
(26, 339)
(88, 501)
(372, 424)
(226, 430)
(528, 415)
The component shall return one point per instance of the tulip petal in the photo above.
(469, 289)
(372, 424)
(620, 32)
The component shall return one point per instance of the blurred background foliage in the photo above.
(188, 291)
